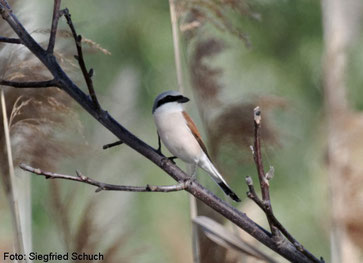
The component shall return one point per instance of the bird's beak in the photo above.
(183, 99)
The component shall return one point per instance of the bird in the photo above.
(181, 137)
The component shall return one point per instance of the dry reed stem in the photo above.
(19, 239)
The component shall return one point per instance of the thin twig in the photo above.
(103, 186)
(10, 40)
(86, 74)
(252, 193)
(257, 156)
(30, 84)
(53, 30)
(106, 146)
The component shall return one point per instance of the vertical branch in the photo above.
(257, 156)
(53, 30)
(177, 53)
(13, 202)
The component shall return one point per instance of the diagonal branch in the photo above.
(253, 195)
(86, 74)
(103, 186)
(270, 215)
(219, 234)
(30, 84)
(10, 40)
(53, 30)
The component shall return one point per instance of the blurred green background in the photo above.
(283, 61)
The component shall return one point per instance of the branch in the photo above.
(269, 213)
(103, 186)
(257, 156)
(53, 30)
(253, 195)
(30, 84)
(10, 40)
(265, 203)
(86, 74)
(106, 146)
(65, 83)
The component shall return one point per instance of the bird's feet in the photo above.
(172, 158)
(159, 146)
(158, 150)
(193, 178)
(165, 159)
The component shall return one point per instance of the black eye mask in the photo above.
(169, 98)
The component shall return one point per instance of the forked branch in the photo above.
(265, 202)
(257, 156)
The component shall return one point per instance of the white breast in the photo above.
(175, 134)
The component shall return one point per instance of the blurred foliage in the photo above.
(283, 61)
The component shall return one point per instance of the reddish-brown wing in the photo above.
(195, 132)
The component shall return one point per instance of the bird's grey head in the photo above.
(169, 96)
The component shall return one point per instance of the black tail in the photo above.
(229, 192)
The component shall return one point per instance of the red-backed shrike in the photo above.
(182, 138)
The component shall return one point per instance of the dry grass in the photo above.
(63, 33)
(205, 77)
(86, 235)
(196, 13)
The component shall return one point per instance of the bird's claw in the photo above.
(165, 159)
(192, 179)
(172, 158)
(159, 151)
